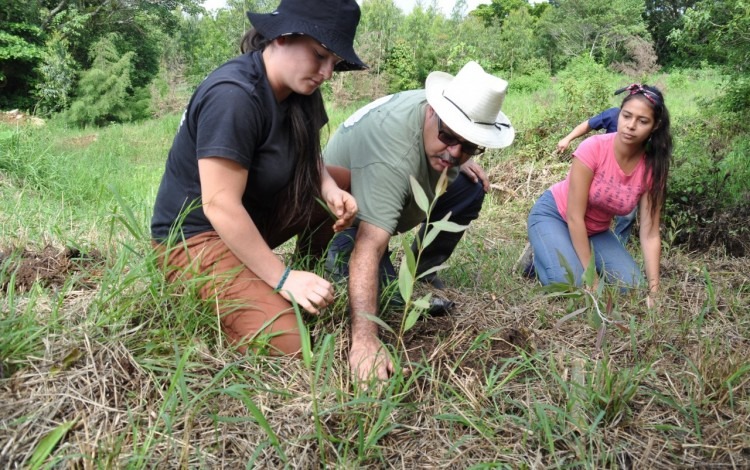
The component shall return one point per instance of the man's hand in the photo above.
(368, 358)
(343, 206)
(476, 173)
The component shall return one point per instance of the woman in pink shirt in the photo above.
(609, 176)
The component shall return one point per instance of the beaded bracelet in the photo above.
(283, 278)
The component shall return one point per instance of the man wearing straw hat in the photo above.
(418, 133)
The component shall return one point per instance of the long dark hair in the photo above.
(658, 145)
(306, 114)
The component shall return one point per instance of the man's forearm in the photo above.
(363, 291)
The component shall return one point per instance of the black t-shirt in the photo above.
(233, 114)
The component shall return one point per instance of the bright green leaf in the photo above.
(48, 444)
(377, 320)
(419, 195)
(405, 283)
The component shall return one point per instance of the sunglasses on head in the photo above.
(450, 139)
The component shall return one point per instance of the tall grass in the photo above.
(111, 366)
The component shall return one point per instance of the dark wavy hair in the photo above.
(658, 145)
(306, 114)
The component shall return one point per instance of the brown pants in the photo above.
(252, 313)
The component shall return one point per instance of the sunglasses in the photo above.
(450, 139)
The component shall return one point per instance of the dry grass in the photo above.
(494, 382)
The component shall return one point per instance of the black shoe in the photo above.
(434, 281)
(525, 264)
(440, 307)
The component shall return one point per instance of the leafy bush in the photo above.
(530, 75)
(709, 194)
(585, 86)
(104, 91)
(402, 68)
(58, 72)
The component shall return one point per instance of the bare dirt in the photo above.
(50, 267)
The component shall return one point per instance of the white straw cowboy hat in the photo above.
(470, 103)
(333, 23)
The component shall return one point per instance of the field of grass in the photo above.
(103, 364)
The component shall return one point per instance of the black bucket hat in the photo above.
(333, 23)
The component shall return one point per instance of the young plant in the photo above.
(598, 300)
(407, 275)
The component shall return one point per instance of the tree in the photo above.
(518, 40)
(379, 24)
(717, 32)
(599, 29)
(57, 77)
(498, 10)
(104, 89)
(21, 47)
(418, 42)
(662, 17)
(27, 25)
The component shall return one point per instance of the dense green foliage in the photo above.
(45, 45)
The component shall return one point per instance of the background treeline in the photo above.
(117, 61)
(93, 62)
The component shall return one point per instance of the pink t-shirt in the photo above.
(612, 192)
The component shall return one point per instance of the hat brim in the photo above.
(272, 26)
(500, 135)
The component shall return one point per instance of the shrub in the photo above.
(104, 92)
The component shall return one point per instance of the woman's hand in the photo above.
(310, 291)
(342, 205)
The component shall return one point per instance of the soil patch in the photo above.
(49, 267)
(454, 340)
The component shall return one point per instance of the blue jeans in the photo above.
(624, 225)
(463, 200)
(550, 239)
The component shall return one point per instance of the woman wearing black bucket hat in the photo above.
(244, 174)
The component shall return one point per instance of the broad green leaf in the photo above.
(411, 262)
(557, 289)
(448, 226)
(419, 196)
(590, 273)
(569, 316)
(411, 318)
(379, 321)
(48, 444)
(405, 283)
(433, 269)
(418, 307)
(429, 236)
(442, 184)
(423, 302)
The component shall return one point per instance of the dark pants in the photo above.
(463, 200)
